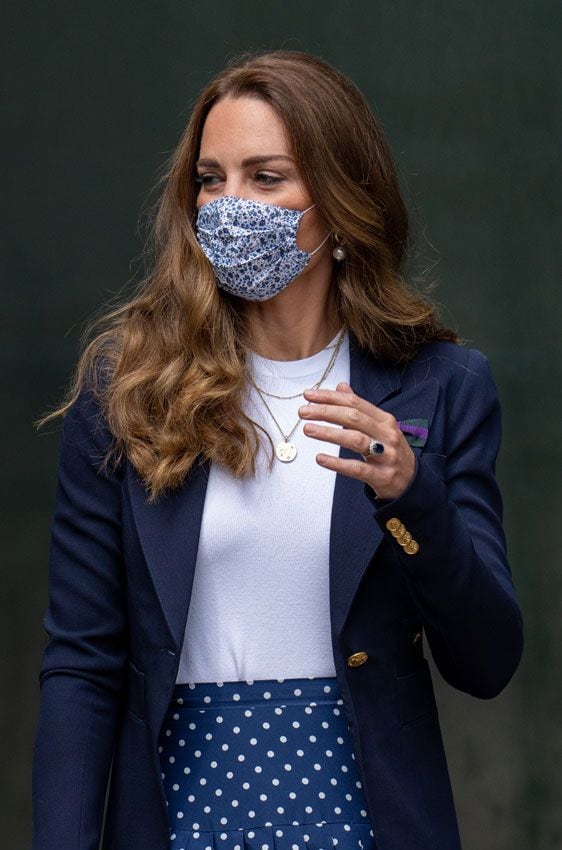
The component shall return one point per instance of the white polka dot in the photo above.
(206, 699)
(208, 736)
(283, 739)
(292, 795)
(339, 740)
(207, 809)
(358, 784)
(197, 754)
(336, 711)
(160, 749)
(266, 695)
(191, 798)
(325, 725)
(347, 827)
(327, 689)
(279, 833)
(179, 814)
(236, 697)
(202, 781)
(192, 726)
(248, 713)
(308, 810)
(363, 813)
(187, 770)
(179, 700)
(229, 774)
(348, 797)
(236, 730)
(223, 836)
(224, 820)
(224, 747)
(234, 803)
(337, 810)
(300, 752)
(304, 780)
(296, 724)
(176, 716)
(253, 741)
(266, 725)
(218, 718)
(257, 768)
(214, 764)
(297, 692)
(333, 781)
(176, 787)
(312, 738)
(322, 795)
(251, 813)
(218, 792)
(278, 711)
(317, 766)
(196, 835)
(181, 742)
(241, 757)
(329, 753)
(265, 847)
(280, 809)
(275, 782)
(308, 710)
(245, 785)
(344, 768)
(288, 767)
(168, 732)
(270, 754)
(263, 797)
(172, 759)
(306, 837)
(294, 847)
(251, 834)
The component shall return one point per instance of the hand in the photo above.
(388, 474)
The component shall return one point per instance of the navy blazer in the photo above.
(120, 578)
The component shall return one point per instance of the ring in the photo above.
(375, 448)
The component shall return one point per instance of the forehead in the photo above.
(243, 126)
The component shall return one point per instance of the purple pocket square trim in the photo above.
(415, 430)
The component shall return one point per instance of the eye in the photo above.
(207, 179)
(267, 179)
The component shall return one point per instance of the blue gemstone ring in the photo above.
(375, 448)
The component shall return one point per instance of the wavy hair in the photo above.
(168, 366)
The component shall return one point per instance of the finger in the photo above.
(354, 440)
(348, 398)
(357, 469)
(346, 416)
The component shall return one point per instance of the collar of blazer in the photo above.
(169, 530)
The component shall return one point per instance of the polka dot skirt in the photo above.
(262, 765)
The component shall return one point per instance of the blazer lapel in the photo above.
(354, 533)
(169, 534)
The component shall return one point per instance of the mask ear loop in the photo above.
(311, 253)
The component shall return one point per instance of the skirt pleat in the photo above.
(262, 765)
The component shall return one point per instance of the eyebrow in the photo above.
(252, 160)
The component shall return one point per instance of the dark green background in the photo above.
(469, 95)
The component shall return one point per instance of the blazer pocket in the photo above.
(436, 462)
(416, 700)
(136, 699)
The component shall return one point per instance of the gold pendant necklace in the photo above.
(287, 451)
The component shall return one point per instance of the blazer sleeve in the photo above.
(460, 579)
(81, 678)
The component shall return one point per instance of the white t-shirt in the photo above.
(259, 607)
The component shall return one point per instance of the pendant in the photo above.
(285, 452)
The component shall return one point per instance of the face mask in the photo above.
(252, 245)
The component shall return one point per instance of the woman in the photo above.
(276, 481)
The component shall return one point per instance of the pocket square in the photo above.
(415, 431)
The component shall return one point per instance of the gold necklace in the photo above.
(287, 451)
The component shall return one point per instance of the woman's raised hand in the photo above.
(389, 473)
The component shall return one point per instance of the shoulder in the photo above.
(453, 366)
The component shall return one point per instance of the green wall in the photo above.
(469, 95)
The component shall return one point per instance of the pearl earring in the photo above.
(339, 253)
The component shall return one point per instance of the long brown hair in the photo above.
(168, 366)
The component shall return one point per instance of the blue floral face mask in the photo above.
(252, 245)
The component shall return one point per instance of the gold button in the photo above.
(404, 538)
(412, 548)
(357, 659)
(393, 524)
(399, 531)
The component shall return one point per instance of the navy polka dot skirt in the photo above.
(262, 765)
